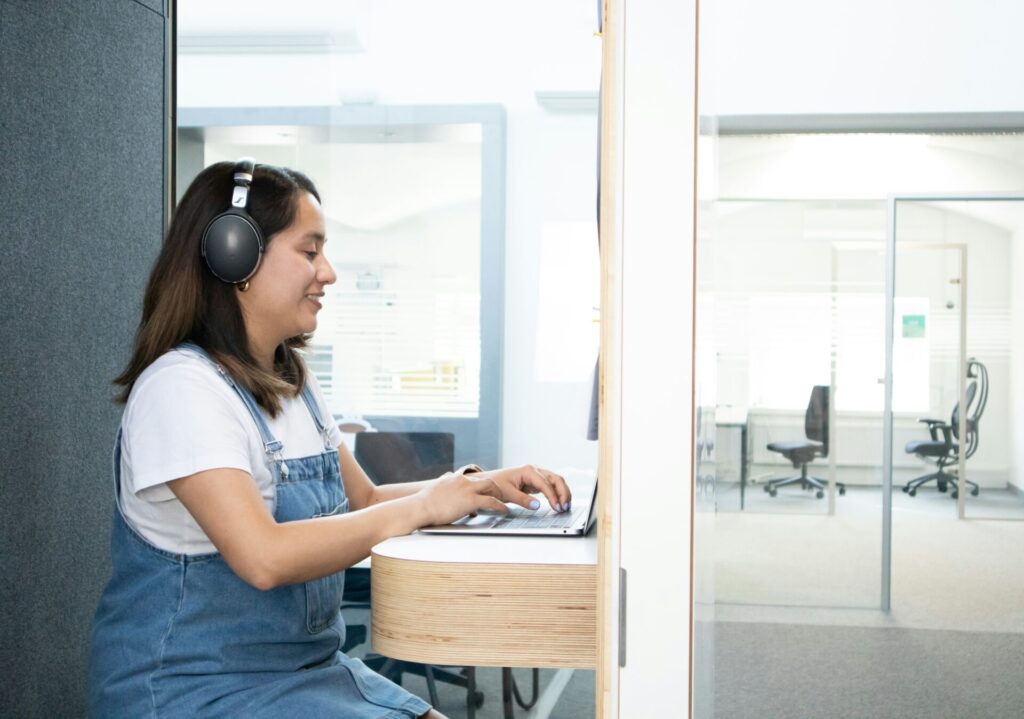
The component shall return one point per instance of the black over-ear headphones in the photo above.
(233, 241)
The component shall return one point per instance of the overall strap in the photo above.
(117, 469)
(314, 411)
(271, 446)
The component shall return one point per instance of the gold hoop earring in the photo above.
(244, 287)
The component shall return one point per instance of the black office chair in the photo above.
(802, 452)
(387, 458)
(945, 450)
(391, 457)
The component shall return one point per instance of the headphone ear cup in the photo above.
(232, 246)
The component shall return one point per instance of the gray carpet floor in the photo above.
(788, 671)
(793, 671)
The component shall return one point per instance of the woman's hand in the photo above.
(515, 484)
(455, 496)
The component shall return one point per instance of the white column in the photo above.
(652, 507)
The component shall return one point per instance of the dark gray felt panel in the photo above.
(81, 186)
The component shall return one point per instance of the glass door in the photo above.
(796, 290)
(954, 430)
(955, 344)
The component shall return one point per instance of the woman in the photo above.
(239, 508)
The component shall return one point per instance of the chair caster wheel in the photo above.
(768, 488)
(478, 699)
(974, 492)
(942, 488)
(772, 492)
(955, 494)
(842, 491)
(911, 492)
(905, 490)
(819, 494)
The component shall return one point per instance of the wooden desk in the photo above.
(486, 601)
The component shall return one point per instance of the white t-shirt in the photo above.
(182, 418)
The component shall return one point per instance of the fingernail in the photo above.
(534, 504)
(568, 505)
(558, 507)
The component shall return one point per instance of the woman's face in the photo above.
(284, 295)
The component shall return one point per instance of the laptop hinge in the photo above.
(622, 617)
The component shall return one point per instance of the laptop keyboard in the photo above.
(546, 518)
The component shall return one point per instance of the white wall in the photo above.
(866, 166)
(395, 52)
(860, 56)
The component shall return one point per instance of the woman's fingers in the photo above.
(532, 478)
(492, 504)
(490, 496)
(521, 498)
(561, 489)
(515, 486)
(456, 496)
(551, 485)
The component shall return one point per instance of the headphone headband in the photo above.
(244, 170)
(245, 166)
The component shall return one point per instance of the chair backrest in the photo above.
(977, 398)
(390, 457)
(977, 370)
(816, 419)
(954, 420)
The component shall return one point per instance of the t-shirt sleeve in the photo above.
(333, 433)
(181, 422)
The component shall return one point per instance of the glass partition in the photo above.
(798, 311)
(458, 175)
(796, 289)
(886, 602)
(401, 344)
(459, 184)
(955, 268)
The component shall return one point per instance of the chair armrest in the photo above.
(934, 425)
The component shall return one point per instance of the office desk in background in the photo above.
(737, 417)
(488, 601)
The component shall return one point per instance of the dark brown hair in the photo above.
(184, 301)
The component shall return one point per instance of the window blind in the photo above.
(401, 353)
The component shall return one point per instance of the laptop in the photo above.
(543, 522)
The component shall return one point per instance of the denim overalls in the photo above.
(183, 636)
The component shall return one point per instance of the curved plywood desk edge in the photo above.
(486, 601)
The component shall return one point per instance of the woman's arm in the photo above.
(511, 483)
(360, 489)
(227, 505)
(362, 492)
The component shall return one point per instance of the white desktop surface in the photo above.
(477, 549)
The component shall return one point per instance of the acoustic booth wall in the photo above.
(81, 215)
